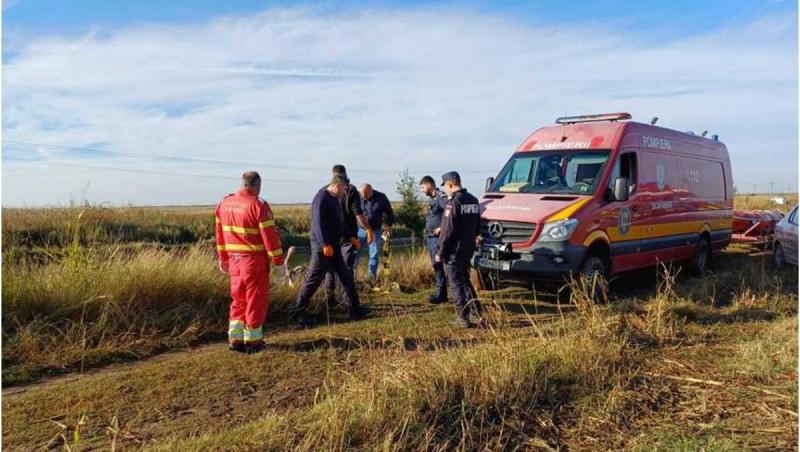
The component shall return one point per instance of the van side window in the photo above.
(625, 167)
(793, 216)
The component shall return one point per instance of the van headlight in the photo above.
(558, 231)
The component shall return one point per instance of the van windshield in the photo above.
(570, 172)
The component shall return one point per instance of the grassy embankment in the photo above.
(83, 287)
(763, 202)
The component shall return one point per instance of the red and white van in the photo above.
(599, 194)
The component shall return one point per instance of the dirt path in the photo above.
(208, 388)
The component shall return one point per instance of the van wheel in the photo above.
(483, 280)
(778, 257)
(594, 278)
(701, 259)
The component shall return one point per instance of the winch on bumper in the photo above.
(548, 260)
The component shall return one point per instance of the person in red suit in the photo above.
(247, 240)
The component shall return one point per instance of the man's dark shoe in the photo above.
(237, 346)
(255, 347)
(437, 299)
(359, 313)
(306, 320)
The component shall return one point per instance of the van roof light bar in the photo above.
(593, 118)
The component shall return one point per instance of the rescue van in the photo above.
(597, 195)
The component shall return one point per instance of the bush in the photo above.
(409, 213)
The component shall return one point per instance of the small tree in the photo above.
(410, 211)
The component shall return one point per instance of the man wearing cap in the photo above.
(350, 244)
(437, 200)
(459, 231)
(247, 240)
(327, 232)
(378, 209)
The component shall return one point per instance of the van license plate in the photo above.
(494, 264)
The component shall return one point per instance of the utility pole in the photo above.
(755, 188)
(771, 186)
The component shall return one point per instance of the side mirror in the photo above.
(621, 187)
(489, 183)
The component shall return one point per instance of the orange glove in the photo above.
(356, 243)
(327, 251)
(278, 260)
(370, 236)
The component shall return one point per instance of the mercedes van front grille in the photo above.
(494, 231)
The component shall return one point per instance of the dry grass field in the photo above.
(114, 326)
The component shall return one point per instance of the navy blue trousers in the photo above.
(318, 267)
(438, 267)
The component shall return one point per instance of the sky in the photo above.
(167, 103)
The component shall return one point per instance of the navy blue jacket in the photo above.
(351, 206)
(376, 208)
(327, 220)
(460, 227)
(433, 218)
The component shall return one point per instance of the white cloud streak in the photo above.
(428, 90)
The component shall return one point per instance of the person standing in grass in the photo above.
(353, 218)
(247, 240)
(327, 234)
(457, 240)
(437, 200)
(379, 211)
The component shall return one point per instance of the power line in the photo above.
(204, 160)
(156, 172)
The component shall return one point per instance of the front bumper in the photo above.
(550, 260)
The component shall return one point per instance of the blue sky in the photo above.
(119, 101)
(655, 18)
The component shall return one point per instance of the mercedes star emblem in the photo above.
(495, 230)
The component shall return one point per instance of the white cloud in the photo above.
(374, 90)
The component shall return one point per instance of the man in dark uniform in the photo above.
(437, 200)
(459, 230)
(327, 232)
(350, 244)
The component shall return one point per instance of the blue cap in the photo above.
(451, 176)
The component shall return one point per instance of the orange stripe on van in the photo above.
(565, 213)
(595, 235)
(649, 231)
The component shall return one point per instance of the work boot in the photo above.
(254, 347)
(462, 322)
(359, 312)
(306, 320)
(237, 346)
(437, 299)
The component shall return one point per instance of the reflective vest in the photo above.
(245, 224)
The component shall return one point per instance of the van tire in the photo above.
(594, 277)
(778, 256)
(700, 261)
